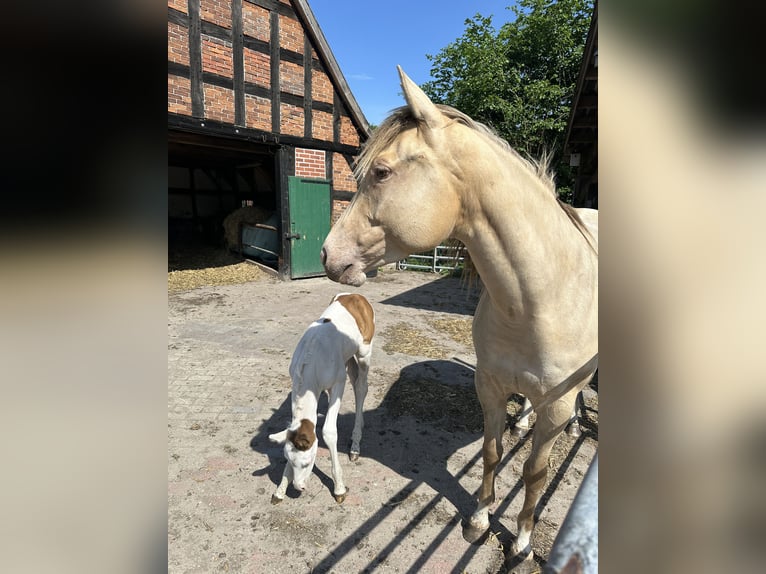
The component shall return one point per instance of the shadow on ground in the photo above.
(435, 406)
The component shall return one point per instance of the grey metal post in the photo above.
(575, 550)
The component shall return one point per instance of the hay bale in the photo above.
(249, 215)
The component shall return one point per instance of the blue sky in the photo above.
(370, 37)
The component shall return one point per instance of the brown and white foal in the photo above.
(336, 344)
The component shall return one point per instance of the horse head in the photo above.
(407, 200)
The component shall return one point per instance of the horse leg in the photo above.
(573, 428)
(492, 401)
(521, 428)
(551, 421)
(330, 435)
(357, 370)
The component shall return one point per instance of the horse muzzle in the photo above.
(341, 270)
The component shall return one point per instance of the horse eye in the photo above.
(381, 172)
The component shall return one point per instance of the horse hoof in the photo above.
(521, 564)
(474, 534)
(339, 498)
(275, 499)
(519, 432)
(573, 430)
(353, 456)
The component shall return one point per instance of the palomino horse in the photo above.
(428, 173)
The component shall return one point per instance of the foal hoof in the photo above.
(353, 456)
(275, 499)
(519, 432)
(339, 498)
(573, 430)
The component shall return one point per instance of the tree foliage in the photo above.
(521, 79)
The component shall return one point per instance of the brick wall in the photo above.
(338, 207)
(291, 78)
(219, 103)
(257, 67)
(321, 87)
(290, 34)
(256, 22)
(258, 113)
(218, 58)
(178, 44)
(310, 163)
(216, 11)
(180, 5)
(348, 133)
(291, 120)
(321, 127)
(342, 176)
(179, 95)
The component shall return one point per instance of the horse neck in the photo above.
(520, 240)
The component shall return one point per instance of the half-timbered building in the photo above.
(259, 115)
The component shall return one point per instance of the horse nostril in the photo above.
(323, 255)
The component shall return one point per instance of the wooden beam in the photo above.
(195, 60)
(307, 87)
(274, 55)
(238, 61)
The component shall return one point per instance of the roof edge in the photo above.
(323, 47)
(587, 55)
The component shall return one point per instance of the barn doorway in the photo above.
(209, 179)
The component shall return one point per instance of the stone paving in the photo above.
(229, 349)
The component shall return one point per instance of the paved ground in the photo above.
(228, 386)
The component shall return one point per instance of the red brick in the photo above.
(180, 5)
(291, 120)
(179, 95)
(256, 22)
(216, 11)
(258, 113)
(291, 78)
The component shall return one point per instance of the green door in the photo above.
(309, 224)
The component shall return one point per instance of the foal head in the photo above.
(300, 450)
(407, 200)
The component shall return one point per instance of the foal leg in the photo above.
(360, 367)
(551, 421)
(330, 435)
(287, 478)
(492, 401)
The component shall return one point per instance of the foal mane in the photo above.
(402, 119)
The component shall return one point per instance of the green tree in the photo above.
(520, 80)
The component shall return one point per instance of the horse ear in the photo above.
(422, 108)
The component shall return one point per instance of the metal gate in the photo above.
(442, 258)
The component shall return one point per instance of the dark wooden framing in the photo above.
(276, 100)
(285, 167)
(195, 60)
(238, 61)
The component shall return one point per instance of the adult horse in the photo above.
(430, 172)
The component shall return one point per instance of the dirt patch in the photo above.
(402, 338)
(206, 266)
(459, 330)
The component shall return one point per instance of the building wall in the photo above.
(307, 105)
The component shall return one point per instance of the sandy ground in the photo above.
(229, 348)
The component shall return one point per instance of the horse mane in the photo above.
(402, 119)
